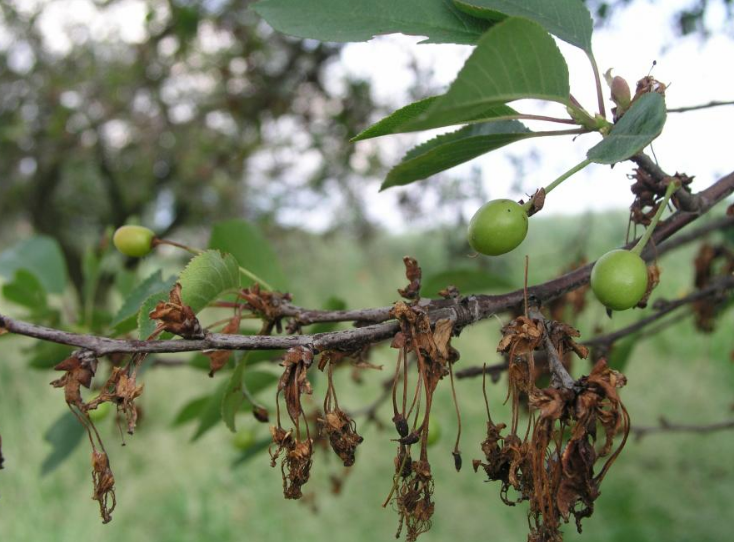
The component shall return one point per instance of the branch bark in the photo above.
(665, 426)
(463, 312)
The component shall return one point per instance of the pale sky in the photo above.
(698, 143)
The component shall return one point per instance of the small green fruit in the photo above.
(619, 279)
(243, 439)
(101, 412)
(434, 431)
(498, 227)
(134, 241)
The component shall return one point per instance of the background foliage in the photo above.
(204, 120)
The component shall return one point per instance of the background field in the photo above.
(665, 487)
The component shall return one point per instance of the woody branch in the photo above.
(463, 311)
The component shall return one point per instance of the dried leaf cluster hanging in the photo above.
(712, 261)
(297, 452)
(551, 470)
(337, 425)
(429, 347)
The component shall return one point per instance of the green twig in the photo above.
(672, 187)
(575, 169)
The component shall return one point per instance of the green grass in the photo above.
(666, 487)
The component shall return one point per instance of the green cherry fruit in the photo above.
(434, 432)
(134, 241)
(498, 227)
(243, 439)
(619, 279)
(100, 413)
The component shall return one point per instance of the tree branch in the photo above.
(700, 106)
(667, 427)
(717, 287)
(463, 312)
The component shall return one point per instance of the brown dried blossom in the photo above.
(121, 389)
(2, 459)
(413, 274)
(220, 358)
(297, 454)
(267, 305)
(412, 489)
(710, 262)
(79, 369)
(104, 485)
(336, 425)
(653, 279)
(414, 502)
(557, 478)
(341, 430)
(295, 465)
(176, 317)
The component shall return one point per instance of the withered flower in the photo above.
(414, 501)
(413, 274)
(176, 317)
(266, 305)
(220, 358)
(80, 368)
(104, 485)
(297, 454)
(337, 425)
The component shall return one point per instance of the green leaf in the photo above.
(515, 59)
(146, 326)
(360, 20)
(622, 351)
(570, 20)
(392, 123)
(190, 411)
(400, 120)
(211, 412)
(127, 314)
(250, 248)
(46, 355)
(91, 267)
(253, 451)
(64, 435)
(633, 132)
(41, 256)
(208, 276)
(452, 149)
(26, 290)
(240, 384)
(468, 281)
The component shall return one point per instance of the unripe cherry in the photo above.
(498, 227)
(134, 241)
(619, 279)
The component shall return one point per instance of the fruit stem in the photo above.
(575, 169)
(197, 251)
(597, 80)
(638, 248)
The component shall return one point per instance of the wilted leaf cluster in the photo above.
(552, 465)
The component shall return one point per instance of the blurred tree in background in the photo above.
(205, 116)
(208, 113)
